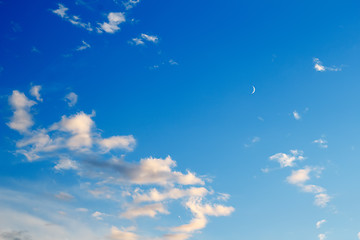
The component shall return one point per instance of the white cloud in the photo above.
(71, 99)
(312, 188)
(114, 20)
(130, 4)
(174, 193)
(117, 234)
(80, 126)
(22, 119)
(149, 38)
(61, 11)
(321, 142)
(322, 236)
(66, 164)
(150, 210)
(173, 62)
(98, 215)
(288, 160)
(319, 223)
(159, 171)
(200, 211)
(84, 46)
(118, 142)
(77, 136)
(137, 41)
(358, 235)
(299, 176)
(35, 92)
(319, 67)
(296, 115)
(322, 199)
(75, 20)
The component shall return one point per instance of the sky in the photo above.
(175, 120)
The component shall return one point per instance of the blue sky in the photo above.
(174, 120)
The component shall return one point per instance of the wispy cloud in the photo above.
(296, 115)
(252, 142)
(130, 4)
(84, 46)
(75, 20)
(319, 66)
(64, 196)
(321, 142)
(320, 223)
(146, 38)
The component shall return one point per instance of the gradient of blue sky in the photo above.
(174, 78)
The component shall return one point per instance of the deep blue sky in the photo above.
(186, 94)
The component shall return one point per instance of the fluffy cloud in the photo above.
(71, 99)
(79, 126)
(114, 20)
(319, 67)
(107, 174)
(299, 176)
(35, 92)
(148, 171)
(288, 160)
(319, 223)
(22, 119)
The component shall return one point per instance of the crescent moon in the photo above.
(253, 90)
